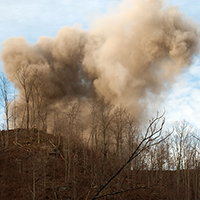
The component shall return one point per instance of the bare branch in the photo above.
(151, 135)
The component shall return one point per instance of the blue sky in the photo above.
(32, 19)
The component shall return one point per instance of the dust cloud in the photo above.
(129, 57)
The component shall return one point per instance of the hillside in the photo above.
(39, 171)
(20, 163)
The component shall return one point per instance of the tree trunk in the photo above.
(38, 126)
(7, 124)
(27, 119)
(33, 181)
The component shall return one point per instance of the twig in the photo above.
(61, 156)
(52, 143)
(18, 144)
(127, 190)
(55, 194)
(57, 150)
(89, 190)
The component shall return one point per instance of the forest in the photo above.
(80, 109)
(91, 149)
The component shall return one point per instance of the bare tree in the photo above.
(182, 151)
(105, 119)
(93, 135)
(26, 80)
(119, 127)
(71, 115)
(151, 137)
(5, 100)
(39, 96)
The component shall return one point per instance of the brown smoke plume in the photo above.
(129, 57)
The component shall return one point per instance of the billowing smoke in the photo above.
(129, 57)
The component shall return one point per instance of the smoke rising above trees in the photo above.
(128, 58)
(91, 89)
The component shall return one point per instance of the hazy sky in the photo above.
(32, 19)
